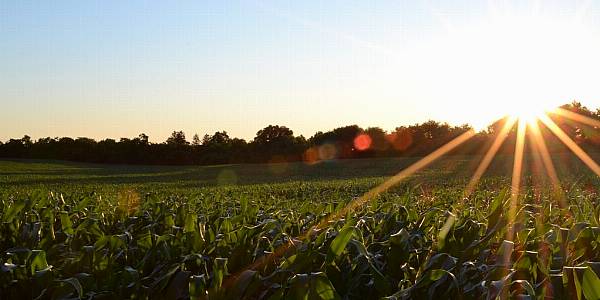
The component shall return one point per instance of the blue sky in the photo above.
(118, 68)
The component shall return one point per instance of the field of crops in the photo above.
(266, 232)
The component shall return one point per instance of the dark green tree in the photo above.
(177, 138)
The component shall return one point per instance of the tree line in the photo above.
(276, 143)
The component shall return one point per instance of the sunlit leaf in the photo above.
(339, 243)
(590, 284)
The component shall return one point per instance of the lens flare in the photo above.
(362, 142)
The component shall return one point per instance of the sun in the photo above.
(510, 64)
(529, 112)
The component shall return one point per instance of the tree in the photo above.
(177, 138)
(14, 148)
(401, 139)
(216, 148)
(143, 139)
(26, 140)
(219, 138)
(276, 141)
(378, 140)
(273, 134)
(579, 132)
(196, 140)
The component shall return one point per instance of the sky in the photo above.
(111, 69)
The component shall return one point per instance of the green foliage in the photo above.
(276, 241)
(591, 284)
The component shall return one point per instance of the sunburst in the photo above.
(526, 114)
(527, 125)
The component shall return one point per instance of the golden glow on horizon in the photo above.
(523, 124)
(508, 65)
(529, 115)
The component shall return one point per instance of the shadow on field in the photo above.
(26, 172)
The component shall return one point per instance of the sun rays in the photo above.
(528, 130)
(515, 186)
(493, 67)
(539, 146)
(529, 126)
(527, 123)
(563, 137)
(511, 41)
(487, 159)
(419, 165)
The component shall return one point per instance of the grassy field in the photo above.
(47, 173)
(280, 231)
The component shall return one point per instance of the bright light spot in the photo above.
(529, 113)
(505, 65)
(362, 142)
